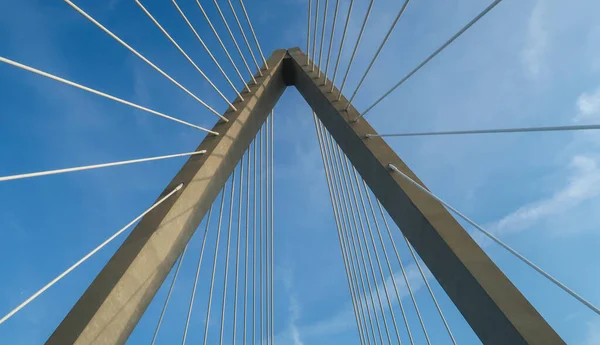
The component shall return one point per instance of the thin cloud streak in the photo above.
(344, 319)
(537, 42)
(582, 182)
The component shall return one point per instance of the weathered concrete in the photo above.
(495, 309)
(110, 308)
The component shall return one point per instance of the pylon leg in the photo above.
(491, 304)
(112, 305)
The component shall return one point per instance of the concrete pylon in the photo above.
(112, 305)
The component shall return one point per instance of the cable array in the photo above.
(242, 254)
(364, 249)
(264, 173)
(382, 303)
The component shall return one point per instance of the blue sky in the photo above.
(527, 63)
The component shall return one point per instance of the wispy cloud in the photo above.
(592, 336)
(592, 51)
(583, 183)
(344, 319)
(294, 316)
(292, 333)
(414, 279)
(112, 4)
(588, 106)
(537, 43)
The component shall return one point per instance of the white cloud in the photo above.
(292, 333)
(592, 336)
(414, 279)
(344, 319)
(588, 106)
(294, 316)
(536, 45)
(341, 321)
(583, 183)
